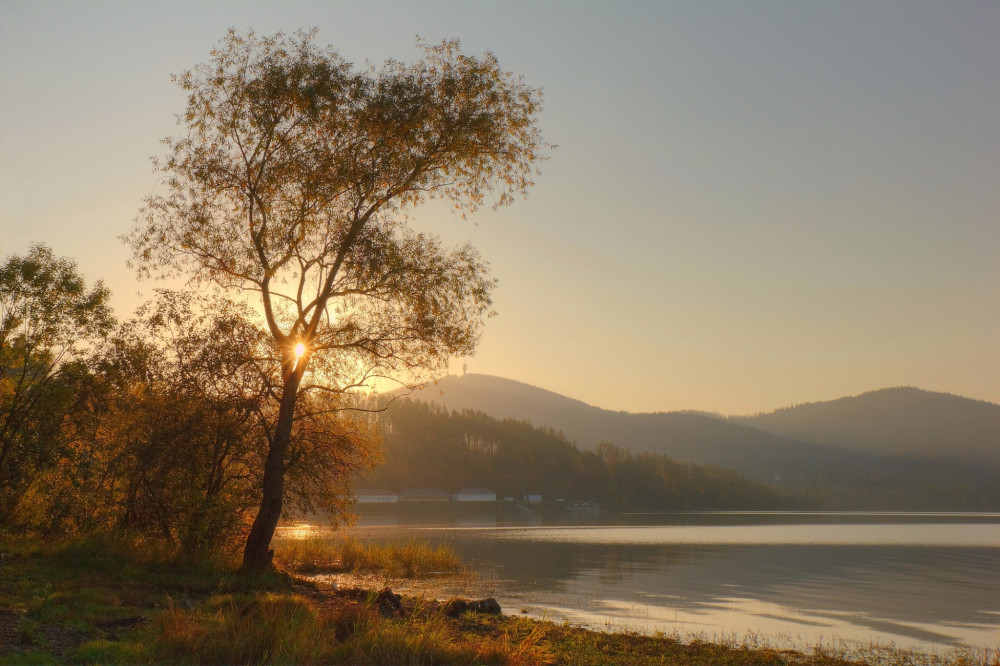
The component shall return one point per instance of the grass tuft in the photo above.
(267, 628)
(285, 628)
(410, 559)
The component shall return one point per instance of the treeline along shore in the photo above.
(898, 449)
(513, 459)
(516, 460)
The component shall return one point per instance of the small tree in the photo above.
(48, 322)
(179, 448)
(293, 181)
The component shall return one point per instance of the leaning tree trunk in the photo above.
(257, 554)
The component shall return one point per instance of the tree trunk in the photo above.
(257, 554)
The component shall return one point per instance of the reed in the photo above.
(409, 559)
(267, 628)
(284, 628)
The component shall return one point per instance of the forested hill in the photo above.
(895, 449)
(898, 421)
(426, 446)
(902, 422)
(697, 438)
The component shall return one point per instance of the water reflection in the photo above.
(830, 535)
(928, 581)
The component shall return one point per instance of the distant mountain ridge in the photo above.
(514, 459)
(801, 440)
(893, 421)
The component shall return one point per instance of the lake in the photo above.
(925, 581)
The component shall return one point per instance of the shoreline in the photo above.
(588, 598)
(618, 642)
(842, 651)
(106, 603)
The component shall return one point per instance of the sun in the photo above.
(300, 349)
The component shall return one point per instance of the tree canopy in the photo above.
(294, 175)
(49, 319)
(293, 180)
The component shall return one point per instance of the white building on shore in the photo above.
(474, 495)
(375, 496)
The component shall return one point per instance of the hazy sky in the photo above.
(751, 204)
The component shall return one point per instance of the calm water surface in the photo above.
(930, 581)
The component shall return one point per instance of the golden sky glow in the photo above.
(751, 204)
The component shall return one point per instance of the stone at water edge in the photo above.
(456, 607)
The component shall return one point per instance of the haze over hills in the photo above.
(690, 437)
(513, 458)
(851, 433)
(902, 421)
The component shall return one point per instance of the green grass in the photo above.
(56, 599)
(267, 627)
(407, 559)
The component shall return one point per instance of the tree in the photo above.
(179, 448)
(48, 322)
(293, 181)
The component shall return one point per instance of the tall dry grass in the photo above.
(407, 559)
(282, 628)
(268, 628)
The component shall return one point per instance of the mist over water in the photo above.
(930, 581)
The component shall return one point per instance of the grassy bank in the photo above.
(93, 602)
(407, 559)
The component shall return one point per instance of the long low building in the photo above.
(382, 496)
(376, 496)
(474, 495)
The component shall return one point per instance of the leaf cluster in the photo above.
(160, 431)
(49, 322)
(293, 179)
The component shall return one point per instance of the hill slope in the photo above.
(906, 422)
(427, 446)
(898, 449)
(696, 438)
